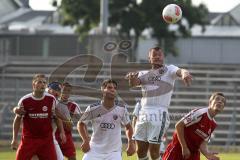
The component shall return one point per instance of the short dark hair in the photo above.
(107, 81)
(156, 48)
(66, 84)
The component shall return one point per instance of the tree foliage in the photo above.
(133, 16)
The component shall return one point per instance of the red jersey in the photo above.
(198, 128)
(37, 122)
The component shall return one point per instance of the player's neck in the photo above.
(211, 113)
(37, 94)
(157, 66)
(107, 103)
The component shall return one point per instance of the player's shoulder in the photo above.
(48, 95)
(142, 72)
(171, 67)
(96, 104)
(29, 95)
(25, 97)
(199, 111)
(120, 104)
(72, 103)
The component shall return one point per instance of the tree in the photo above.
(133, 16)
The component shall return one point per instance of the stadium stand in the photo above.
(16, 78)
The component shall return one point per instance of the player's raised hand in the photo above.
(131, 75)
(186, 77)
(85, 147)
(131, 148)
(14, 144)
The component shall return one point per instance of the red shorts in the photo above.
(68, 148)
(175, 153)
(42, 147)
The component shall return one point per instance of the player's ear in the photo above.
(149, 54)
(32, 84)
(209, 102)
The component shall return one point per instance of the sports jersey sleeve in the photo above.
(54, 107)
(20, 105)
(137, 109)
(125, 118)
(173, 70)
(77, 109)
(87, 110)
(192, 117)
(142, 77)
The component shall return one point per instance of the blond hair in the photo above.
(217, 94)
(36, 76)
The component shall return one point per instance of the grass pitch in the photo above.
(8, 154)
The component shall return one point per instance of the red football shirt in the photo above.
(199, 127)
(37, 122)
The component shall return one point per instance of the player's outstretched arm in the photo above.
(59, 124)
(16, 127)
(185, 76)
(134, 120)
(83, 132)
(180, 134)
(208, 154)
(131, 148)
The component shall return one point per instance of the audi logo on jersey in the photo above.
(156, 78)
(107, 125)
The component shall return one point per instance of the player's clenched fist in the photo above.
(85, 147)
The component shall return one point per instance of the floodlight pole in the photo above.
(104, 16)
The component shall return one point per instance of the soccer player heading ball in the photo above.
(157, 85)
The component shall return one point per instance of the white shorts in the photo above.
(162, 147)
(58, 149)
(152, 131)
(91, 155)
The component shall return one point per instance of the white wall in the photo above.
(199, 50)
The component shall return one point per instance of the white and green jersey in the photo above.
(157, 86)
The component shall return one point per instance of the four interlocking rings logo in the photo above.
(107, 125)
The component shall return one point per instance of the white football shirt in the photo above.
(157, 86)
(106, 136)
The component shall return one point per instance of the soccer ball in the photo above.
(172, 13)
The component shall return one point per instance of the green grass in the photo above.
(7, 154)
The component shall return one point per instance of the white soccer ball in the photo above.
(172, 13)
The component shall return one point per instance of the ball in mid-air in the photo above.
(172, 13)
